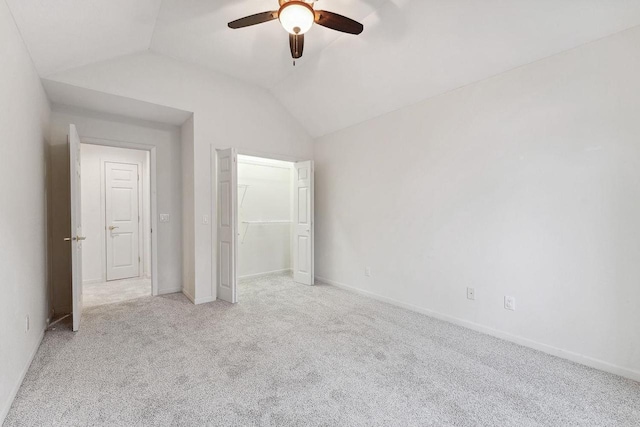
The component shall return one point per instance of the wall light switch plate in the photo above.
(205, 219)
(471, 293)
(164, 218)
(510, 303)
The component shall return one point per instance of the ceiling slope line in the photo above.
(155, 25)
(226, 75)
(458, 88)
(81, 98)
(50, 76)
(24, 42)
(201, 68)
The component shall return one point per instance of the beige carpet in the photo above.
(292, 355)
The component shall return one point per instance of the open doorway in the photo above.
(116, 221)
(265, 210)
(265, 220)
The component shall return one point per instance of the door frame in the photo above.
(153, 208)
(103, 215)
(214, 200)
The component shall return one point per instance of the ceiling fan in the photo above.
(297, 17)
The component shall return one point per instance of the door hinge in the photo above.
(138, 260)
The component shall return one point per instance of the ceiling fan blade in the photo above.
(296, 43)
(258, 18)
(338, 22)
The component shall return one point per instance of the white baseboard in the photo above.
(16, 387)
(197, 301)
(169, 291)
(545, 348)
(204, 300)
(92, 281)
(265, 273)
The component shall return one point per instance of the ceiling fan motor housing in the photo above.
(310, 2)
(296, 16)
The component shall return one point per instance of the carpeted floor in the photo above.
(115, 291)
(291, 355)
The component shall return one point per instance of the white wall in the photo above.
(188, 215)
(92, 159)
(24, 116)
(227, 113)
(96, 127)
(526, 184)
(264, 194)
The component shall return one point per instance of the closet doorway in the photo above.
(265, 219)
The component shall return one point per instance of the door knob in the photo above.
(81, 238)
(112, 227)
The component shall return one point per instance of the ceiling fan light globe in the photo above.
(296, 17)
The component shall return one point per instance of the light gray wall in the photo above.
(227, 113)
(24, 116)
(98, 126)
(188, 226)
(526, 184)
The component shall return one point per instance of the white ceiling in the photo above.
(63, 34)
(62, 94)
(413, 50)
(410, 49)
(196, 31)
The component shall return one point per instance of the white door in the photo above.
(227, 190)
(122, 218)
(76, 227)
(303, 223)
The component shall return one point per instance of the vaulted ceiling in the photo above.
(410, 49)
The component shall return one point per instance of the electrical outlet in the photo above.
(164, 218)
(510, 303)
(26, 325)
(471, 293)
(367, 271)
(205, 219)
